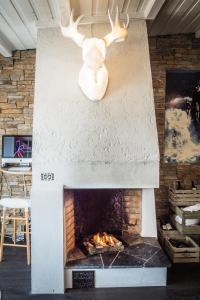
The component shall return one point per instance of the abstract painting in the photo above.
(182, 117)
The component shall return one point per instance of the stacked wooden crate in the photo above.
(187, 254)
(179, 198)
(163, 235)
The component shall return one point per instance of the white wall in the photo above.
(112, 143)
(149, 225)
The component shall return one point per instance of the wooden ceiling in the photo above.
(177, 16)
(18, 22)
(19, 19)
(96, 10)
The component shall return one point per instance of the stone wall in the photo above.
(170, 52)
(17, 75)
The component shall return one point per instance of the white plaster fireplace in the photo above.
(109, 144)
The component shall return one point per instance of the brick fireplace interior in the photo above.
(91, 211)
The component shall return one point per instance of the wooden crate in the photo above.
(163, 234)
(184, 197)
(182, 228)
(178, 210)
(183, 255)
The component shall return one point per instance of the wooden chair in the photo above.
(11, 205)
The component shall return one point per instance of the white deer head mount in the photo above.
(93, 76)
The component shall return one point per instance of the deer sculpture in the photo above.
(93, 76)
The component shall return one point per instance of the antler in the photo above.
(71, 31)
(118, 33)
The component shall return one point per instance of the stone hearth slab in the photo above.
(146, 254)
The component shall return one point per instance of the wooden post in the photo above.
(27, 237)
(25, 188)
(14, 225)
(2, 233)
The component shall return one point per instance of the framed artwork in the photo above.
(182, 116)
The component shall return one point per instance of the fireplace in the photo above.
(108, 149)
(103, 240)
(113, 215)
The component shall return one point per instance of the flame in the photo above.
(104, 239)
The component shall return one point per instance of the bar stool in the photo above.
(15, 203)
(12, 204)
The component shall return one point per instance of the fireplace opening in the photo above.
(100, 220)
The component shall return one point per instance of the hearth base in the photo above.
(131, 277)
(142, 264)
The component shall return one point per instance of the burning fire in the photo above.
(104, 240)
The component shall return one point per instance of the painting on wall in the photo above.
(182, 117)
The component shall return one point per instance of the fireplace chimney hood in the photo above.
(108, 144)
